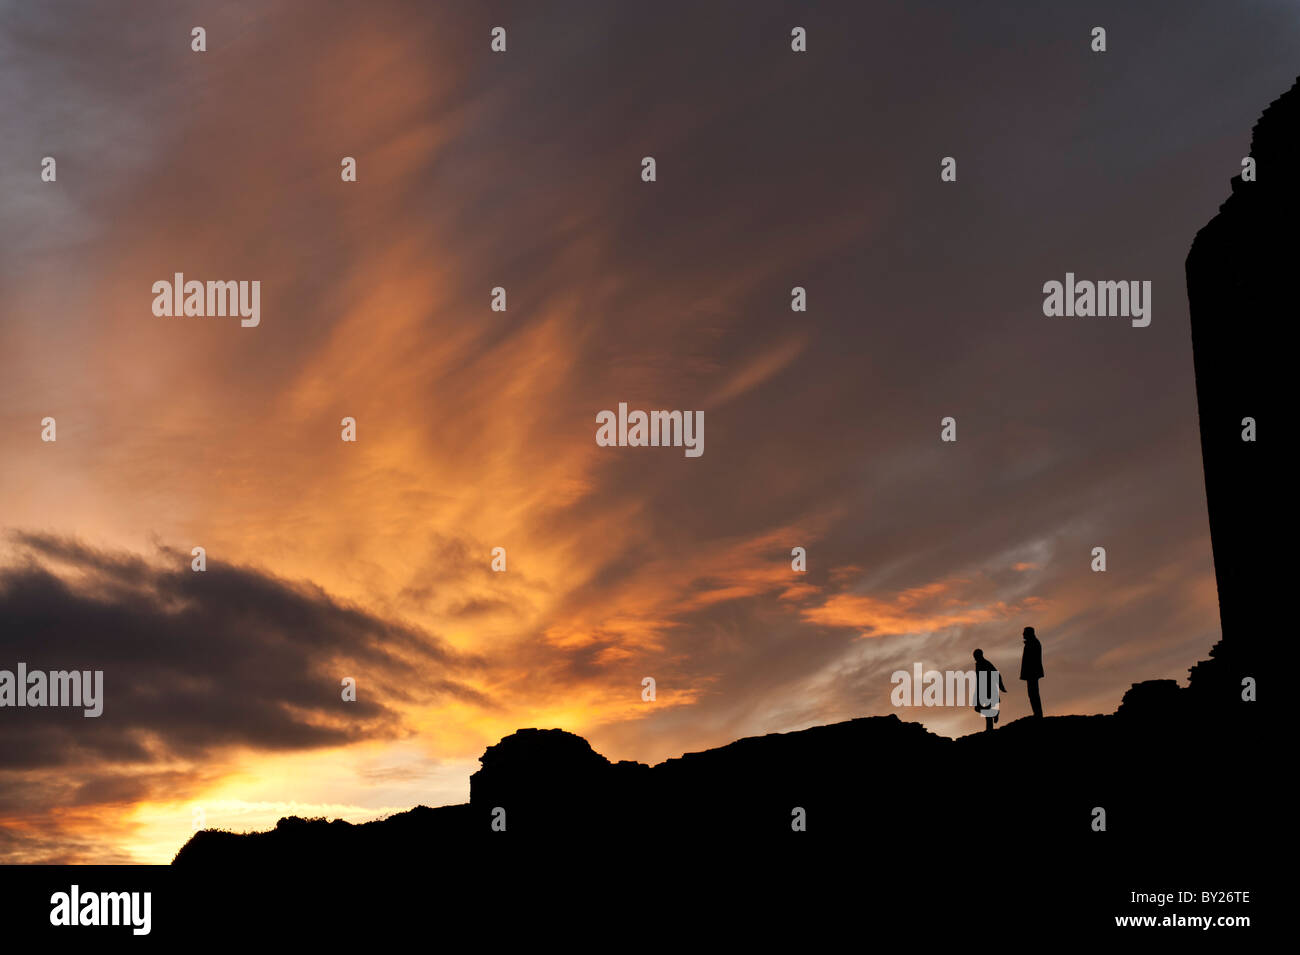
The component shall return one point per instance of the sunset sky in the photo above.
(476, 429)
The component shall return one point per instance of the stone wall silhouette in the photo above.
(1238, 271)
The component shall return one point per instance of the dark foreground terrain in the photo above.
(1155, 768)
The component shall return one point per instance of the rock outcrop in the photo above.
(1238, 272)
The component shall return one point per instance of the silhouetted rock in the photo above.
(1238, 275)
(309, 843)
(875, 781)
(1152, 699)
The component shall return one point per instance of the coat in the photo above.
(984, 666)
(1031, 663)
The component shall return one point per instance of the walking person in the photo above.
(988, 683)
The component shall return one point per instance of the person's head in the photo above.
(979, 654)
(1029, 632)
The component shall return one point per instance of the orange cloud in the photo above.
(924, 609)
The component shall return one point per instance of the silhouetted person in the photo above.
(1031, 668)
(985, 695)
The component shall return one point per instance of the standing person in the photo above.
(1031, 669)
(986, 691)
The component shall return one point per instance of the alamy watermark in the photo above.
(84, 688)
(651, 429)
(924, 687)
(211, 299)
(75, 907)
(1085, 299)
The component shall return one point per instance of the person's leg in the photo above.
(988, 724)
(1034, 700)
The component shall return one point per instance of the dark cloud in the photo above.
(194, 662)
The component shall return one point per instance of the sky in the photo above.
(476, 428)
